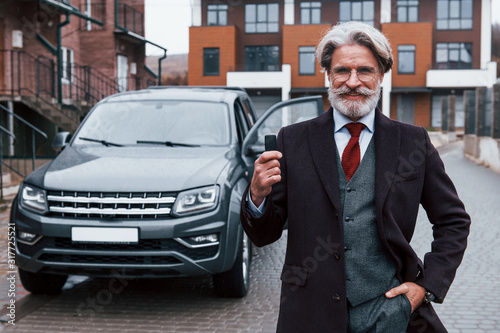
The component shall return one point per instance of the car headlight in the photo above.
(33, 198)
(196, 201)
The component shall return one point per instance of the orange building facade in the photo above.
(268, 48)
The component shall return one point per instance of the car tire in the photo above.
(235, 283)
(42, 283)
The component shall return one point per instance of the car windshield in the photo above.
(174, 123)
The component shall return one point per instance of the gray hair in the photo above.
(355, 33)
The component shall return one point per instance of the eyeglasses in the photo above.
(365, 74)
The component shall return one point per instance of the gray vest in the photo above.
(370, 271)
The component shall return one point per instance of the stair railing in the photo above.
(34, 131)
(9, 133)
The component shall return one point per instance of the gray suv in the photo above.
(148, 186)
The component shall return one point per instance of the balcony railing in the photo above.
(130, 19)
(30, 76)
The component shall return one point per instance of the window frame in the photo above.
(67, 76)
(267, 49)
(460, 18)
(258, 20)
(205, 54)
(405, 53)
(351, 4)
(406, 5)
(449, 48)
(217, 9)
(307, 6)
(307, 51)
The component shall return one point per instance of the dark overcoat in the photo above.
(409, 172)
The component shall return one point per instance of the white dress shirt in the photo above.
(342, 134)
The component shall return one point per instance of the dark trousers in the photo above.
(379, 315)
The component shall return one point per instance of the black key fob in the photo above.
(270, 142)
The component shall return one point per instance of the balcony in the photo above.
(129, 19)
(462, 78)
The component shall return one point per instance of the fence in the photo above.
(482, 126)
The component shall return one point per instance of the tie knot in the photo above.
(355, 128)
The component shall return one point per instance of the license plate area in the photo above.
(105, 235)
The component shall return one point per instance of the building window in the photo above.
(68, 58)
(217, 15)
(363, 11)
(310, 12)
(407, 11)
(262, 18)
(307, 60)
(261, 58)
(454, 14)
(454, 55)
(406, 59)
(211, 61)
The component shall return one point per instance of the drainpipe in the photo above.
(59, 58)
(159, 65)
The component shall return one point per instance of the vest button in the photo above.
(336, 255)
(336, 297)
(347, 219)
(349, 189)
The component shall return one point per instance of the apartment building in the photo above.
(59, 57)
(441, 47)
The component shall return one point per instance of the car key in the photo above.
(270, 142)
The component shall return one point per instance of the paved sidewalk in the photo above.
(473, 302)
(189, 304)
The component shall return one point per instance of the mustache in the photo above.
(360, 90)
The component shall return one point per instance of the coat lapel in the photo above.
(322, 147)
(387, 147)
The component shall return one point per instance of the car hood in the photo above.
(131, 169)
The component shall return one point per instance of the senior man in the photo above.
(350, 183)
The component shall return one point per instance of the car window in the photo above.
(185, 122)
(281, 114)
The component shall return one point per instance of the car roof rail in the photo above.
(199, 87)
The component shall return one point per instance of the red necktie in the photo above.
(352, 154)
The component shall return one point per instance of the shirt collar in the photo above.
(340, 120)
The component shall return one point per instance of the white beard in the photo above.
(354, 109)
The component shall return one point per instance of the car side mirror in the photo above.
(61, 141)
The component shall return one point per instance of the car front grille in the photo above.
(108, 259)
(111, 252)
(110, 205)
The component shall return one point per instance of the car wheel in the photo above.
(42, 283)
(236, 282)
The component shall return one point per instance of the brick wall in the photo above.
(223, 37)
(423, 110)
(418, 34)
(295, 36)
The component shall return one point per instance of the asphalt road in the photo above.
(189, 304)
